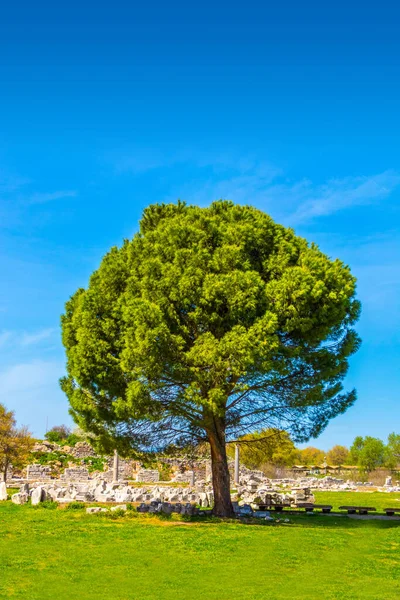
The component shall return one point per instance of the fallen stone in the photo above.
(19, 498)
(119, 507)
(38, 495)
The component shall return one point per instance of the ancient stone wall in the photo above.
(83, 450)
(38, 472)
(148, 476)
(75, 474)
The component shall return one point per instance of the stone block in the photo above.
(37, 472)
(148, 476)
(19, 498)
(3, 491)
(37, 496)
(95, 509)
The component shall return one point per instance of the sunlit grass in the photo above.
(61, 554)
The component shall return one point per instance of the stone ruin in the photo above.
(75, 474)
(83, 450)
(200, 467)
(186, 477)
(127, 469)
(252, 490)
(37, 472)
(148, 476)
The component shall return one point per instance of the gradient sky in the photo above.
(292, 108)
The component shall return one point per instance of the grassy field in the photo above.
(54, 553)
(378, 500)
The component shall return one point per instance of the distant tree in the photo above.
(355, 449)
(270, 446)
(338, 455)
(368, 453)
(393, 450)
(58, 433)
(15, 442)
(311, 456)
(212, 322)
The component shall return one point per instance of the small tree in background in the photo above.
(272, 447)
(58, 433)
(368, 453)
(338, 455)
(210, 324)
(15, 442)
(393, 451)
(311, 456)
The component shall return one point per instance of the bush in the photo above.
(115, 514)
(73, 439)
(58, 433)
(47, 504)
(94, 463)
(75, 505)
(53, 436)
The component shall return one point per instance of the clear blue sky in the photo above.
(292, 107)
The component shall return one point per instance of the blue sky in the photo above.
(292, 109)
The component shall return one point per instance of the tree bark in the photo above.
(220, 472)
(5, 472)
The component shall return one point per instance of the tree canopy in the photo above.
(58, 433)
(311, 456)
(209, 324)
(368, 453)
(338, 455)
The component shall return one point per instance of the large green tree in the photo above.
(209, 324)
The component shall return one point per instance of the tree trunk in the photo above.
(220, 472)
(5, 472)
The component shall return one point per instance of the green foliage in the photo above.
(165, 471)
(210, 323)
(53, 436)
(393, 451)
(208, 308)
(368, 453)
(94, 463)
(338, 455)
(73, 439)
(57, 460)
(58, 433)
(113, 515)
(268, 447)
(311, 456)
(46, 505)
(75, 505)
(15, 442)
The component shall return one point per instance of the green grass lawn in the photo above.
(62, 554)
(378, 500)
